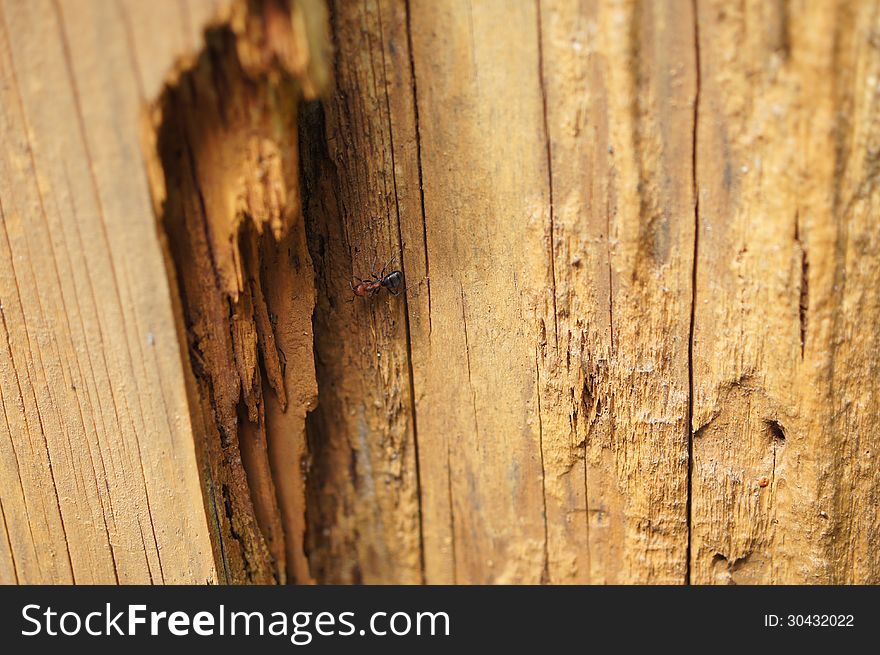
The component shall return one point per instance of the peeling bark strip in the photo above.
(224, 136)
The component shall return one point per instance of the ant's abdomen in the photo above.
(392, 280)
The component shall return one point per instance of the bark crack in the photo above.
(804, 298)
(551, 244)
(545, 572)
(467, 350)
(412, 73)
(412, 388)
(8, 542)
(451, 512)
(696, 199)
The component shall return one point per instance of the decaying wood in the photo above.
(226, 183)
(529, 181)
(363, 485)
(638, 341)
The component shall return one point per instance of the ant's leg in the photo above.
(385, 268)
(373, 263)
(415, 287)
(404, 289)
(353, 288)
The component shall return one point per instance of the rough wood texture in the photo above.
(550, 418)
(103, 398)
(786, 332)
(225, 175)
(618, 221)
(639, 340)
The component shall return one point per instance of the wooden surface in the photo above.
(222, 142)
(638, 342)
(98, 470)
(516, 153)
(786, 334)
(619, 221)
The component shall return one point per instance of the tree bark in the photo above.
(638, 341)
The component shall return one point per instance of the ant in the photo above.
(376, 283)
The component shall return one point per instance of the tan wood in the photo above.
(99, 480)
(786, 340)
(550, 419)
(638, 341)
(548, 166)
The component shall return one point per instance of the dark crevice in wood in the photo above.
(415, 95)
(324, 241)
(449, 498)
(691, 388)
(804, 296)
(214, 515)
(9, 543)
(224, 139)
(467, 353)
(545, 570)
(775, 431)
(405, 300)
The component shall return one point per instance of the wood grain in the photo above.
(99, 479)
(364, 515)
(550, 424)
(627, 223)
(115, 468)
(638, 341)
(786, 341)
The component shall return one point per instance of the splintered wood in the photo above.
(638, 341)
(226, 182)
